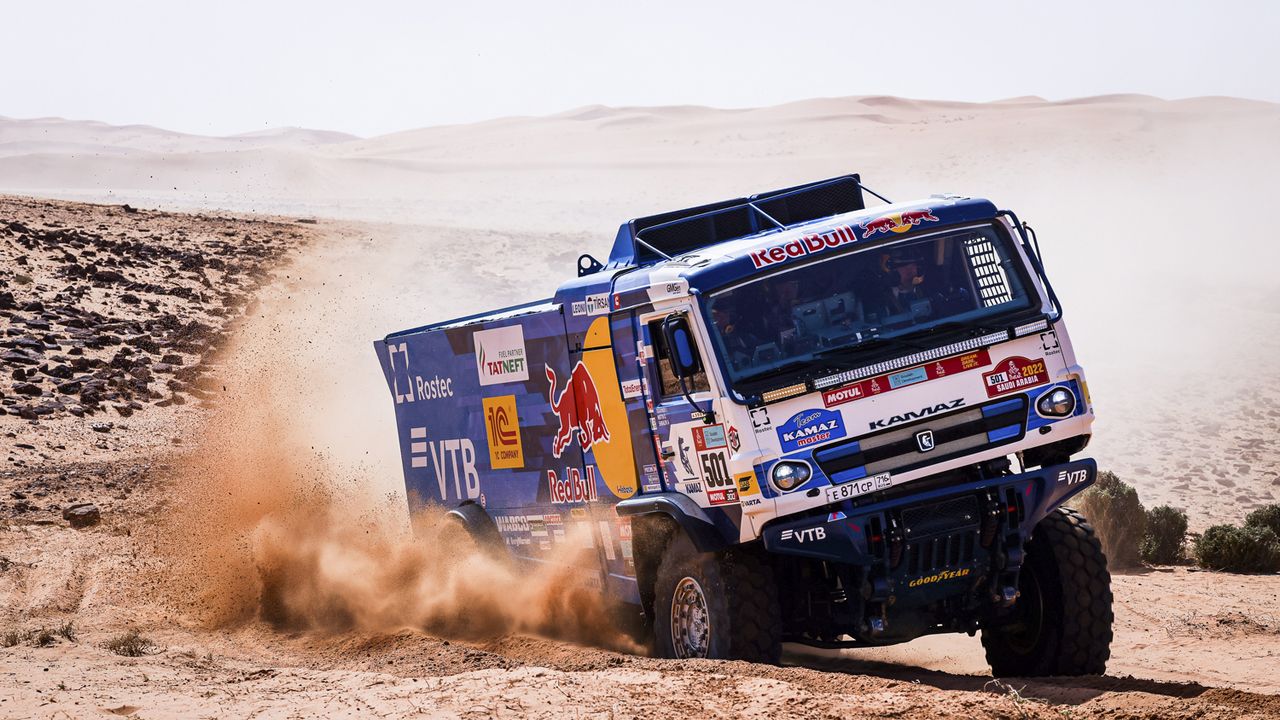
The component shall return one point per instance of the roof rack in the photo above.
(662, 237)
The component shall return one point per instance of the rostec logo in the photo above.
(804, 535)
(502, 427)
(500, 355)
(916, 414)
(444, 456)
(924, 440)
(897, 222)
(578, 410)
(400, 372)
(571, 487)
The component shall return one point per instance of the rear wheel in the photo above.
(721, 605)
(1062, 622)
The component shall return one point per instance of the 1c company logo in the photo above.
(502, 427)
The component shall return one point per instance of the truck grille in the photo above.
(941, 536)
(898, 450)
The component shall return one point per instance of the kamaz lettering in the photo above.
(915, 414)
(804, 315)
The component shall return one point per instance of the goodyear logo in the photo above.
(502, 428)
(944, 575)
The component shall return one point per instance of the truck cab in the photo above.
(791, 417)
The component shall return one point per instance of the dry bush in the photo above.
(131, 644)
(1165, 540)
(1238, 549)
(1267, 516)
(1113, 508)
(67, 630)
(43, 637)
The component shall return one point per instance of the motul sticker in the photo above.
(1016, 373)
(881, 384)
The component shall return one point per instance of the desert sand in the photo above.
(1143, 209)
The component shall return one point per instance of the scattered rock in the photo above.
(102, 427)
(82, 515)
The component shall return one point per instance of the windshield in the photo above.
(823, 315)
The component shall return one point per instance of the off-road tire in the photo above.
(744, 617)
(1062, 625)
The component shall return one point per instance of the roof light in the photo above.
(915, 359)
(1037, 326)
(783, 393)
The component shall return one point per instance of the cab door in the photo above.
(694, 452)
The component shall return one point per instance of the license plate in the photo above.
(854, 488)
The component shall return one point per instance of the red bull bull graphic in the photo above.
(897, 222)
(578, 410)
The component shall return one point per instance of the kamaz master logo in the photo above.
(916, 414)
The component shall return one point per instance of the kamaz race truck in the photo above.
(783, 418)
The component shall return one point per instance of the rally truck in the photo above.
(786, 417)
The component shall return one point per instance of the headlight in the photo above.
(1058, 402)
(788, 475)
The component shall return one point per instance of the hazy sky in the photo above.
(373, 67)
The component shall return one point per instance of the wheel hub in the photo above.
(690, 622)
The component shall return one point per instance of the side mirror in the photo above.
(684, 359)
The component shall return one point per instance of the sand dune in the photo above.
(1146, 209)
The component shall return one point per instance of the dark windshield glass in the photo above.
(790, 321)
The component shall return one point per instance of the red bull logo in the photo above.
(897, 222)
(578, 410)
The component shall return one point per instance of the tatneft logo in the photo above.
(924, 440)
(502, 428)
(500, 355)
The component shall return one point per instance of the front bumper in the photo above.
(933, 537)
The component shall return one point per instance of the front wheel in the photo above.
(720, 605)
(1062, 622)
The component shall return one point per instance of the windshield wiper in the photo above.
(980, 328)
(869, 344)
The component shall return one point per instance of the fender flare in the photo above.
(476, 521)
(684, 511)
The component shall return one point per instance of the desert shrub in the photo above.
(1267, 516)
(12, 637)
(1165, 537)
(1239, 549)
(1112, 506)
(67, 630)
(131, 644)
(43, 637)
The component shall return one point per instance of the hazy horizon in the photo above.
(241, 67)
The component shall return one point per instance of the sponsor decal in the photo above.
(924, 440)
(433, 389)
(632, 389)
(836, 516)
(801, 247)
(804, 535)
(747, 484)
(735, 443)
(502, 428)
(500, 355)
(1073, 477)
(721, 488)
(597, 304)
(401, 386)
(760, 420)
(923, 412)
(810, 427)
(708, 437)
(939, 577)
(572, 487)
(897, 222)
(450, 459)
(651, 482)
(692, 488)
(578, 410)
(1049, 341)
(684, 455)
(1015, 373)
(512, 523)
(881, 384)
(606, 539)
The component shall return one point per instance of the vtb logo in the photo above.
(502, 428)
(924, 440)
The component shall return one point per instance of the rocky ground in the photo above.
(73, 585)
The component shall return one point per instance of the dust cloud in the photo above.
(281, 515)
